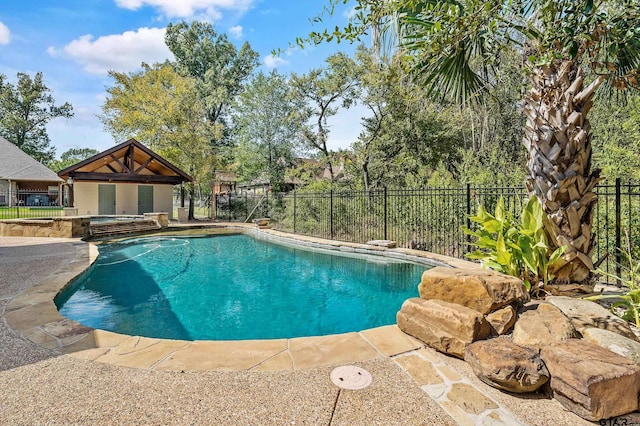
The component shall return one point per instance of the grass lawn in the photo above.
(29, 212)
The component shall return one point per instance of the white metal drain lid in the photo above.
(350, 377)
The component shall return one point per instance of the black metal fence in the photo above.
(431, 218)
(25, 204)
(425, 219)
(233, 207)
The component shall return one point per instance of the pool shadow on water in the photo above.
(123, 298)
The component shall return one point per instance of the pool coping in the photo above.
(34, 316)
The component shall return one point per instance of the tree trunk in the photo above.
(192, 191)
(558, 139)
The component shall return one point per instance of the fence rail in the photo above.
(25, 204)
(431, 218)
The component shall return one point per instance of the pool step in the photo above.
(120, 228)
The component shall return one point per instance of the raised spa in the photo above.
(235, 287)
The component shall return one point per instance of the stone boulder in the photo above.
(542, 326)
(592, 381)
(504, 365)
(479, 289)
(502, 320)
(585, 314)
(621, 345)
(444, 326)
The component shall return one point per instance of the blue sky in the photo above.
(75, 42)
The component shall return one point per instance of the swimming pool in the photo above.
(235, 287)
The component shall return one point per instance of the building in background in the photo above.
(128, 179)
(25, 181)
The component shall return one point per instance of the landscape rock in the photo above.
(542, 326)
(504, 365)
(446, 327)
(502, 320)
(592, 381)
(479, 289)
(621, 345)
(585, 314)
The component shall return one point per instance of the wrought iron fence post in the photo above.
(331, 213)
(294, 211)
(246, 206)
(618, 233)
(385, 213)
(266, 208)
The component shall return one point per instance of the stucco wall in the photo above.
(86, 198)
(127, 198)
(163, 199)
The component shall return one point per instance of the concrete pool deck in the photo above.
(53, 370)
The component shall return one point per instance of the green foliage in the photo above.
(616, 136)
(162, 109)
(218, 68)
(71, 157)
(513, 247)
(266, 131)
(25, 110)
(629, 301)
(455, 47)
(321, 93)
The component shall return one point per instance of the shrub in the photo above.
(515, 247)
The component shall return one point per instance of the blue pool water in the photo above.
(235, 287)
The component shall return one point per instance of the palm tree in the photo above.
(569, 48)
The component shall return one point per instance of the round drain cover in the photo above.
(350, 377)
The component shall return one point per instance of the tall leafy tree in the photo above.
(405, 134)
(322, 91)
(266, 129)
(218, 67)
(25, 110)
(71, 157)
(570, 48)
(162, 109)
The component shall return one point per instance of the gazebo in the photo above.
(127, 179)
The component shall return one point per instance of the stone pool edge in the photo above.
(34, 316)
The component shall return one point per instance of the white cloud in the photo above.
(236, 32)
(271, 61)
(187, 8)
(5, 34)
(349, 13)
(120, 52)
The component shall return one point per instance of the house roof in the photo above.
(15, 164)
(128, 162)
(224, 177)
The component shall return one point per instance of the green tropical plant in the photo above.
(629, 302)
(516, 247)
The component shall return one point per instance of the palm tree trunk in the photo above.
(558, 139)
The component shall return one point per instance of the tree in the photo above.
(406, 134)
(570, 48)
(25, 110)
(162, 109)
(219, 69)
(321, 92)
(71, 157)
(616, 137)
(266, 129)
